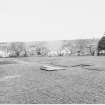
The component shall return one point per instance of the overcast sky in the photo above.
(30, 20)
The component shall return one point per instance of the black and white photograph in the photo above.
(52, 51)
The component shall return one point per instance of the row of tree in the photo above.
(79, 47)
(17, 49)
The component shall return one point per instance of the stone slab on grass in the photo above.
(51, 68)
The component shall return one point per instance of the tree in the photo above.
(17, 48)
(81, 46)
(41, 50)
(101, 44)
(92, 49)
(68, 46)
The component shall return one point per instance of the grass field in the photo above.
(22, 81)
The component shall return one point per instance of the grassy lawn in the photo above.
(22, 81)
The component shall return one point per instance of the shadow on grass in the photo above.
(7, 62)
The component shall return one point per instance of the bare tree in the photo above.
(41, 50)
(81, 46)
(92, 49)
(69, 47)
(17, 48)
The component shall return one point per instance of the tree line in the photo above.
(78, 47)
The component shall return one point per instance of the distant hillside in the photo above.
(63, 43)
(59, 43)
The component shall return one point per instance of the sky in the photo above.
(34, 20)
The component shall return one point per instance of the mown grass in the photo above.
(76, 84)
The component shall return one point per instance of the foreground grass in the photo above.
(22, 81)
